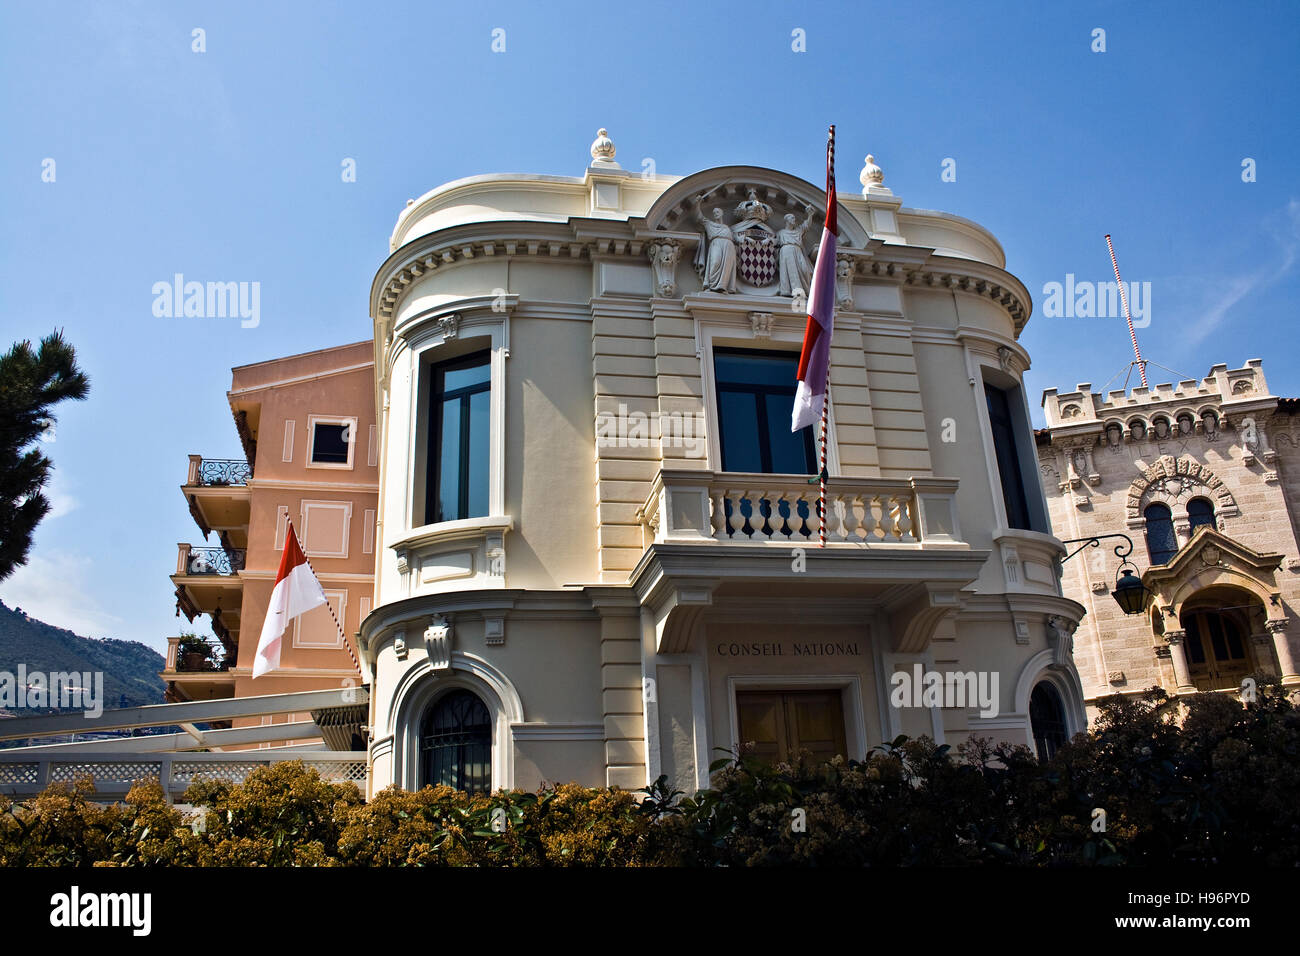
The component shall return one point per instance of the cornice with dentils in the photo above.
(587, 239)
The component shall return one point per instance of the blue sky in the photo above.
(225, 165)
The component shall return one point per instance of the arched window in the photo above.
(1199, 512)
(1161, 542)
(456, 743)
(1047, 720)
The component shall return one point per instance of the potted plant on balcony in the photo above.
(192, 653)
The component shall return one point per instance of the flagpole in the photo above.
(328, 606)
(1142, 365)
(826, 389)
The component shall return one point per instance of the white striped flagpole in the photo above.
(1132, 334)
(330, 607)
(826, 391)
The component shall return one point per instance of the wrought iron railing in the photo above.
(215, 472)
(215, 561)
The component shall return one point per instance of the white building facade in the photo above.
(597, 539)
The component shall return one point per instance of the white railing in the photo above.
(115, 765)
(695, 506)
(24, 775)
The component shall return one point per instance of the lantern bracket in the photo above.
(1121, 551)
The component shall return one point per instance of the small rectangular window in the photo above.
(331, 440)
(755, 399)
(329, 445)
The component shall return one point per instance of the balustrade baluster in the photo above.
(906, 520)
(719, 518)
(735, 520)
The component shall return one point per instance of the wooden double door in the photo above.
(781, 722)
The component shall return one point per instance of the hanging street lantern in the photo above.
(1129, 592)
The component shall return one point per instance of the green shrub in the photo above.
(1199, 781)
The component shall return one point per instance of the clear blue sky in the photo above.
(225, 165)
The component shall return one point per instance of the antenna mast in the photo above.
(1132, 333)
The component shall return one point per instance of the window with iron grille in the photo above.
(456, 743)
(1047, 720)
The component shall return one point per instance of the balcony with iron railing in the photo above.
(216, 490)
(208, 581)
(199, 561)
(198, 669)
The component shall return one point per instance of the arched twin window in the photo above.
(456, 743)
(1162, 543)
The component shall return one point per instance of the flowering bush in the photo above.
(1148, 784)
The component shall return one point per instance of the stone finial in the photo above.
(602, 149)
(872, 176)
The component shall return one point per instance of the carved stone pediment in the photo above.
(758, 228)
(1213, 559)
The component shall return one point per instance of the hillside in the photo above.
(130, 668)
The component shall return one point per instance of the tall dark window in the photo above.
(1162, 544)
(1199, 512)
(456, 743)
(458, 440)
(755, 401)
(1047, 720)
(1004, 445)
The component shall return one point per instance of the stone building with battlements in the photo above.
(1204, 476)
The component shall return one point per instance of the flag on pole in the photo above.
(815, 359)
(296, 592)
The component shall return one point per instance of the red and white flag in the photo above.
(815, 359)
(296, 592)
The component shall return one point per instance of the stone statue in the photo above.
(796, 270)
(844, 282)
(718, 271)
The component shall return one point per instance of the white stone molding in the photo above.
(419, 686)
(1064, 677)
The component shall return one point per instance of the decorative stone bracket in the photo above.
(437, 643)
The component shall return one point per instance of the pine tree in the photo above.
(32, 381)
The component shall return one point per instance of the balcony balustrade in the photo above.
(698, 506)
(218, 472)
(219, 561)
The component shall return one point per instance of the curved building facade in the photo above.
(598, 549)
